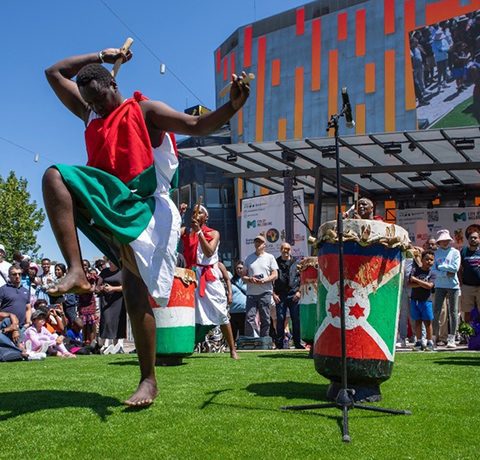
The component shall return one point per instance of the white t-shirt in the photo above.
(4, 266)
(260, 267)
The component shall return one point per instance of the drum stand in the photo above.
(344, 400)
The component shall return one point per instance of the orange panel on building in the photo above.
(232, 63)
(360, 18)
(390, 90)
(298, 104)
(225, 68)
(218, 60)
(446, 9)
(342, 26)
(409, 14)
(360, 118)
(370, 77)
(332, 84)
(240, 122)
(389, 16)
(264, 191)
(260, 84)
(247, 46)
(275, 72)
(300, 29)
(316, 53)
(282, 129)
(239, 196)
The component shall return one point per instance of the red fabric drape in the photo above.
(120, 144)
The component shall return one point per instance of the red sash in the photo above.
(120, 144)
(190, 246)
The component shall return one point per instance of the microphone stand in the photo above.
(344, 400)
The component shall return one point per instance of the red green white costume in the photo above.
(210, 297)
(122, 195)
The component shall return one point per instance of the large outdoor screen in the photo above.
(446, 72)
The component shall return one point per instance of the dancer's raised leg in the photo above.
(143, 326)
(60, 211)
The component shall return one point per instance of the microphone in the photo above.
(347, 109)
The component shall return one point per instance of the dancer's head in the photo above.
(98, 89)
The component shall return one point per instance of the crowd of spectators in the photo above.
(35, 324)
(444, 53)
(441, 289)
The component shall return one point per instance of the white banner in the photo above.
(266, 214)
(422, 223)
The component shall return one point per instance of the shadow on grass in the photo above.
(131, 362)
(290, 390)
(294, 355)
(28, 402)
(463, 360)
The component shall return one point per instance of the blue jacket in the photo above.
(446, 266)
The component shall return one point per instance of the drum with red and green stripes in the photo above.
(175, 323)
(373, 261)
(308, 269)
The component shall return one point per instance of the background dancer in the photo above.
(200, 248)
(120, 199)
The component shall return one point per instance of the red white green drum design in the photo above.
(372, 289)
(175, 323)
(308, 302)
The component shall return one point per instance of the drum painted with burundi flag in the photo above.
(175, 323)
(373, 268)
(308, 269)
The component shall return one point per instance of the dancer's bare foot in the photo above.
(233, 354)
(145, 394)
(71, 283)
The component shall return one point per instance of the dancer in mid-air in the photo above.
(120, 199)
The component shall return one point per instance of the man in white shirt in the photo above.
(262, 271)
(4, 266)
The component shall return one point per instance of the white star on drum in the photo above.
(357, 305)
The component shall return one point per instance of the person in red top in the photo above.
(200, 249)
(120, 200)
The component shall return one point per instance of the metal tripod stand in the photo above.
(344, 400)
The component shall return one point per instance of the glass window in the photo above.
(174, 196)
(212, 197)
(198, 192)
(227, 195)
(186, 195)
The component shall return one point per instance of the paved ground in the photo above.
(442, 102)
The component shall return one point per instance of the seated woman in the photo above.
(39, 339)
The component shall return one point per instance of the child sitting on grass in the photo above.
(38, 338)
(421, 280)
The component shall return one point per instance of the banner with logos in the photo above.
(266, 214)
(422, 223)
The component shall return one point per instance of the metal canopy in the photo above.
(430, 163)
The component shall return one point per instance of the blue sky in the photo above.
(183, 34)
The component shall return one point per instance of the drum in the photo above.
(373, 275)
(175, 323)
(308, 269)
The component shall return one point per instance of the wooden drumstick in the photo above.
(196, 209)
(226, 88)
(126, 46)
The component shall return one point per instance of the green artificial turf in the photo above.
(213, 407)
(461, 115)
